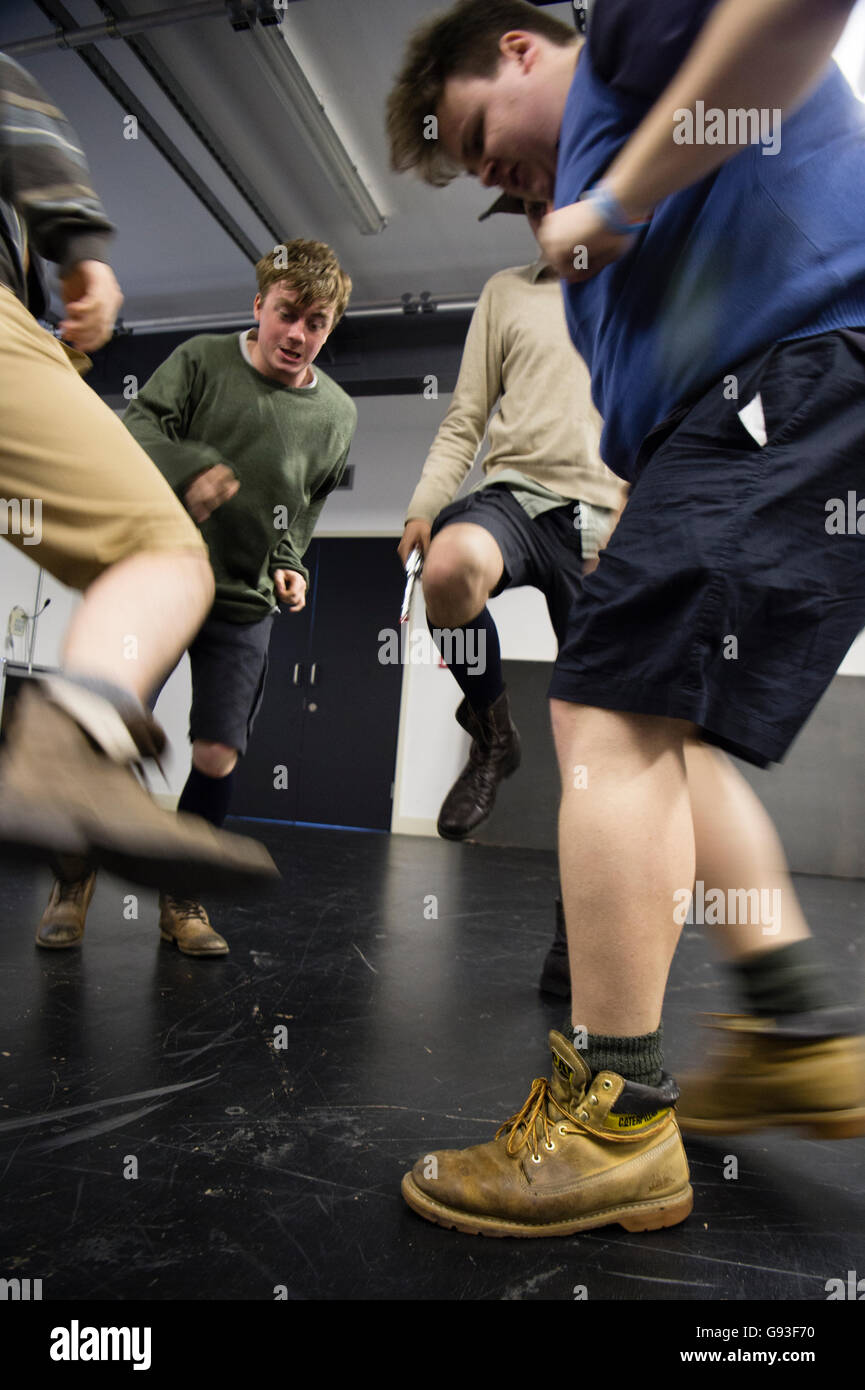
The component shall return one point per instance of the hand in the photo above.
(416, 533)
(209, 490)
(290, 588)
(562, 236)
(93, 298)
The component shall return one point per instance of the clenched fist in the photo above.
(416, 533)
(290, 588)
(93, 298)
(209, 490)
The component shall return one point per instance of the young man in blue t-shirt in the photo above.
(708, 173)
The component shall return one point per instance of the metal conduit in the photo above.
(75, 37)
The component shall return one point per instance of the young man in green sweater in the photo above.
(253, 439)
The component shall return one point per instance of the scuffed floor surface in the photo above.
(225, 1129)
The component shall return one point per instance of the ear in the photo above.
(519, 46)
(256, 307)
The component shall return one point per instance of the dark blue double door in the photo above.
(323, 750)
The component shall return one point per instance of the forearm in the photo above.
(478, 387)
(178, 460)
(763, 54)
(451, 455)
(285, 557)
(438, 486)
(292, 545)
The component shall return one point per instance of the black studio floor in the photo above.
(260, 1167)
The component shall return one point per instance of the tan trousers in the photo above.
(77, 493)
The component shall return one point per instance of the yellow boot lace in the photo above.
(535, 1108)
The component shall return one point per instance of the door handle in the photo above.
(295, 680)
(312, 673)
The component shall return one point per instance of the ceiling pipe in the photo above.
(202, 323)
(76, 37)
(130, 104)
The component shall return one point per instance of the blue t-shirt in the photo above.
(769, 247)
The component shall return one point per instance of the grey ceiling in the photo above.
(172, 257)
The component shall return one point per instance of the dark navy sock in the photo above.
(207, 797)
(480, 677)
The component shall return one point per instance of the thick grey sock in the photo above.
(790, 980)
(639, 1059)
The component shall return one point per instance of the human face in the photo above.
(289, 338)
(504, 129)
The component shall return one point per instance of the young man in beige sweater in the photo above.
(545, 505)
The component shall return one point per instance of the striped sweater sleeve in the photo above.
(44, 178)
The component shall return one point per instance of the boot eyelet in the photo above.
(549, 1147)
(536, 1158)
(584, 1114)
(608, 1085)
(594, 1100)
(561, 1129)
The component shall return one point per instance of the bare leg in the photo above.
(138, 617)
(738, 848)
(626, 846)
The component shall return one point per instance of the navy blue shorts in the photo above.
(726, 596)
(543, 552)
(228, 662)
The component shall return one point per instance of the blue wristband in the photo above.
(610, 210)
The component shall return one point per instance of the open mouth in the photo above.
(289, 356)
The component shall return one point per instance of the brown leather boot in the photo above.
(802, 1070)
(61, 794)
(187, 924)
(494, 755)
(582, 1152)
(63, 920)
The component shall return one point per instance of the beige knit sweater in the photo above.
(518, 352)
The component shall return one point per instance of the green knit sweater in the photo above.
(287, 447)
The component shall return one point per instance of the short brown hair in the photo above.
(463, 42)
(311, 269)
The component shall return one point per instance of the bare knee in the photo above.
(456, 581)
(213, 759)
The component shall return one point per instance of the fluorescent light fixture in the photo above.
(288, 79)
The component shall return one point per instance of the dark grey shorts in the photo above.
(229, 667)
(543, 552)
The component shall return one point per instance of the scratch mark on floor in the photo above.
(52, 1116)
(91, 1131)
(364, 959)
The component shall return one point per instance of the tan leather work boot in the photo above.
(63, 920)
(60, 793)
(582, 1152)
(186, 922)
(805, 1070)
